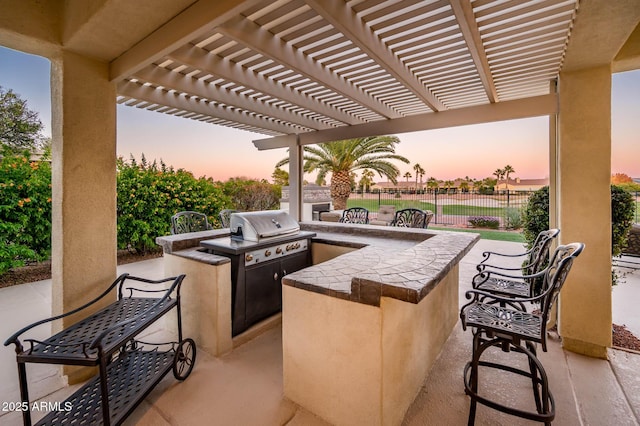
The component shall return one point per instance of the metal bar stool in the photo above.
(516, 282)
(497, 321)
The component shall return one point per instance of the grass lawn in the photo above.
(488, 234)
(448, 209)
(452, 210)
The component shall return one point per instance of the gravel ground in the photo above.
(623, 338)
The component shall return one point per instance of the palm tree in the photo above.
(341, 158)
(407, 176)
(432, 183)
(498, 173)
(448, 184)
(366, 180)
(507, 171)
(419, 173)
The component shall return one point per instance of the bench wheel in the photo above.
(184, 359)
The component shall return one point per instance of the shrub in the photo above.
(251, 194)
(623, 208)
(484, 222)
(536, 218)
(513, 218)
(25, 210)
(149, 195)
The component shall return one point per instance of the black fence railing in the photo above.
(636, 197)
(456, 207)
(503, 209)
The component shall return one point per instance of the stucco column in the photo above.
(84, 181)
(584, 170)
(296, 163)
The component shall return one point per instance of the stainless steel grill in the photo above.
(255, 226)
(263, 247)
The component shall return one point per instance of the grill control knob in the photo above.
(267, 253)
(297, 245)
(248, 258)
(279, 250)
(288, 247)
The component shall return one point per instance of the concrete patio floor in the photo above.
(245, 386)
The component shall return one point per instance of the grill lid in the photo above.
(254, 226)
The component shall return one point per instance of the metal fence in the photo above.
(457, 208)
(451, 208)
(636, 197)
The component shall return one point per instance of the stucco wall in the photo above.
(206, 303)
(355, 364)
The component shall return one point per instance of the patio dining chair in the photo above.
(497, 323)
(411, 218)
(189, 221)
(355, 215)
(225, 217)
(521, 281)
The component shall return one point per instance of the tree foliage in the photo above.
(25, 210)
(149, 194)
(252, 195)
(280, 177)
(20, 127)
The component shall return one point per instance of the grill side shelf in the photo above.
(131, 378)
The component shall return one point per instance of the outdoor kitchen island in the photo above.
(361, 331)
(360, 328)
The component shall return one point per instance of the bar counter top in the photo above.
(401, 263)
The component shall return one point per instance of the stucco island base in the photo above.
(357, 364)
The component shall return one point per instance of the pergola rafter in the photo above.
(311, 67)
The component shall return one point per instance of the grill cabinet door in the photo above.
(263, 292)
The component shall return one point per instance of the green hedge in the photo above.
(536, 216)
(148, 195)
(25, 211)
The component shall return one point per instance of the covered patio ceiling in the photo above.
(324, 70)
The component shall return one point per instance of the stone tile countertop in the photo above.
(405, 264)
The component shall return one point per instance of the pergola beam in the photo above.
(469, 28)
(163, 77)
(501, 111)
(338, 14)
(198, 58)
(191, 23)
(175, 100)
(248, 33)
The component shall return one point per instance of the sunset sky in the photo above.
(220, 152)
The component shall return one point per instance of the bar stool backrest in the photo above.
(355, 215)
(189, 221)
(539, 254)
(410, 218)
(555, 276)
(225, 217)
